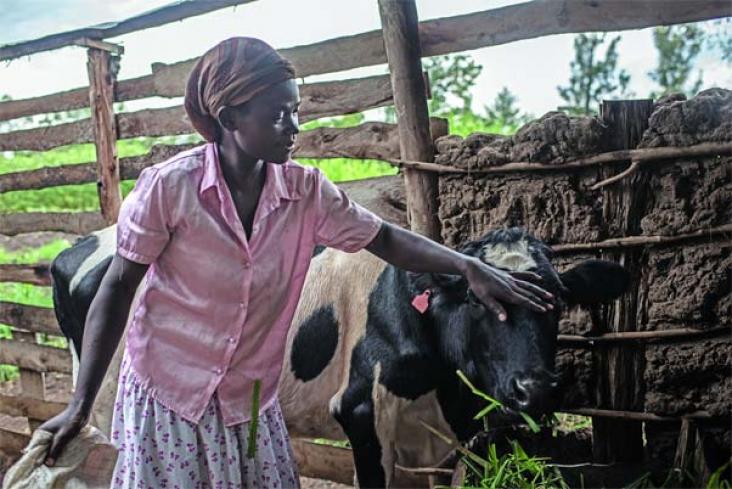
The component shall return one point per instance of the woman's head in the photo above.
(242, 90)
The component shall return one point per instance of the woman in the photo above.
(224, 234)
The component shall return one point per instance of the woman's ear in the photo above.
(226, 117)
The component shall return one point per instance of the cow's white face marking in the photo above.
(511, 256)
(107, 246)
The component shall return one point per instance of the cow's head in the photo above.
(513, 361)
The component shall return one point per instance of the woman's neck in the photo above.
(239, 169)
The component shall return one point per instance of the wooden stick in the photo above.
(102, 77)
(640, 155)
(645, 336)
(631, 241)
(36, 274)
(636, 415)
(629, 171)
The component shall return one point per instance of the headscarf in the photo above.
(229, 74)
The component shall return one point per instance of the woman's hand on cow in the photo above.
(492, 286)
(64, 427)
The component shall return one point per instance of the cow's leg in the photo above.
(356, 417)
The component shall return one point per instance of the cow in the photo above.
(367, 361)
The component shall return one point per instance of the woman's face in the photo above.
(266, 126)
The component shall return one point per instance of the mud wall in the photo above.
(684, 285)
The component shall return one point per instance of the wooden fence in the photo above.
(369, 140)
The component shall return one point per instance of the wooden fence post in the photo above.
(620, 368)
(401, 41)
(101, 66)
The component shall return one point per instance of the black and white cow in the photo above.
(363, 361)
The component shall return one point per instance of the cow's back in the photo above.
(329, 320)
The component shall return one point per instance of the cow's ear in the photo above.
(435, 281)
(593, 282)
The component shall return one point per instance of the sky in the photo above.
(531, 69)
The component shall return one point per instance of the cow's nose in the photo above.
(532, 394)
(522, 392)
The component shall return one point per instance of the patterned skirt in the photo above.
(160, 449)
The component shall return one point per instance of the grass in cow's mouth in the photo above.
(514, 468)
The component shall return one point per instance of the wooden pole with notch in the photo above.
(102, 63)
(401, 41)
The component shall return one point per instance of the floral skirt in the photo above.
(160, 449)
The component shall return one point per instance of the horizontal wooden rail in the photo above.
(632, 241)
(35, 274)
(668, 154)
(63, 222)
(368, 141)
(439, 36)
(637, 415)
(163, 15)
(11, 443)
(476, 30)
(323, 99)
(29, 407)
(680, 334)
(371, 140)
(30, 318)
(38, 358)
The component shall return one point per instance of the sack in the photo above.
(87, 462)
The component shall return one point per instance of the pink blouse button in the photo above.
(217, 371)
(231, 339)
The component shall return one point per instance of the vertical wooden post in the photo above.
(404, 53)
(102, 76)
(620, 368)
(32, 383)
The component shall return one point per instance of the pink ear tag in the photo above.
(422, 301)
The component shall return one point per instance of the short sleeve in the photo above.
(143, 228)
(340, 222)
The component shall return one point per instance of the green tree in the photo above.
(677, 46)
(450, 76)
(504, 111)
(593, 77)
(721, 39)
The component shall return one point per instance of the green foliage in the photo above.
(504, 111)
(451, 75)
(677, 46)
(719, 38)
(515, 469)
(715, 480)
(465, 123)
(593, 77)
(332, 443)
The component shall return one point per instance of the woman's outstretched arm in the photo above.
(410, 251)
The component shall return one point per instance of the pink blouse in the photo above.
(215, 308)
